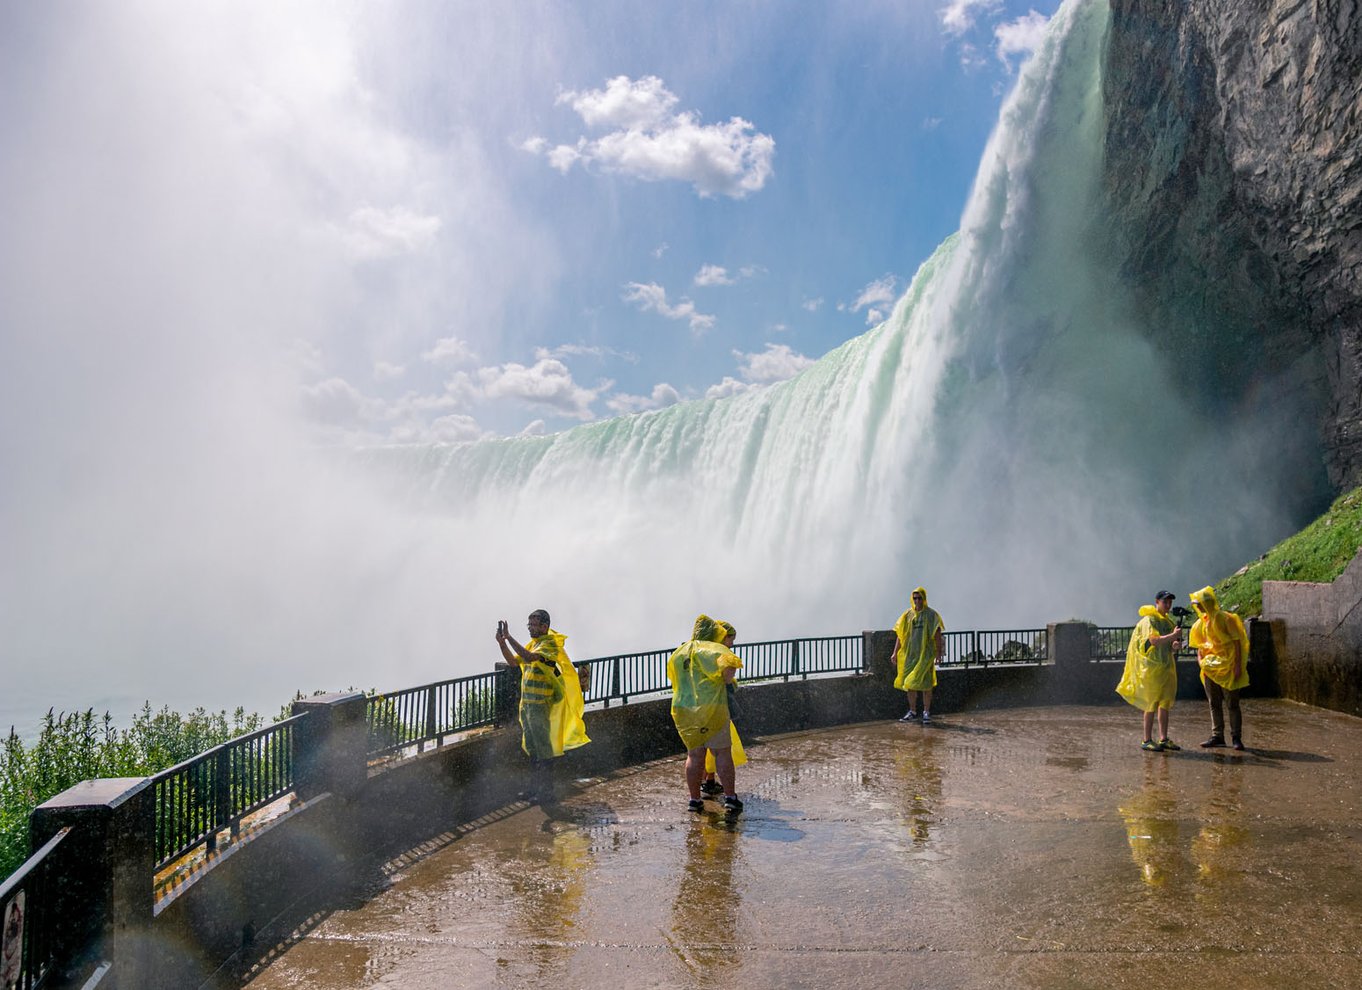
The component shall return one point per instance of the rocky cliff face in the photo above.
(1234, 148)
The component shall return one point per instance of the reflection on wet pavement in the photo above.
(1028, 847)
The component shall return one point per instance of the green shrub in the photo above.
(76, 746)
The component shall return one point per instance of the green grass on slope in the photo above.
(1319, 552)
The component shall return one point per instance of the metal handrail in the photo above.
(1109, 643)
(986, 647)
(196, 800)
(430, 712)
(25, 902)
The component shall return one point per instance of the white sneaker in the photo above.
(926, 716)
(909, 717)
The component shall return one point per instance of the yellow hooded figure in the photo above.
(916, 630)
(1221, 642)
(566, 728)
(739, 754)
(696, 672)
(1150, 678)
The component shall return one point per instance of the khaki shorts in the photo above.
(721, 739)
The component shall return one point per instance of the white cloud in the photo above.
(959, 16)
(449, 350)
(652, 142)
(547, 384)
(661, 249)
(931, 123)
(713, 275)
(626, 104)
(1020, 37)
(729, 386)
(812, 305)
(775, 364)
(375, 233)
(534, 428)
(780, 327)
(453, 428)
(663, 395)
(875, 298)
(336, 401)
(651, 296)
(386, 371)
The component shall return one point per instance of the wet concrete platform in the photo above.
(1002, 848)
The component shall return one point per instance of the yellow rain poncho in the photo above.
(696, 672)
(739, 754)
(563, 694)
(1150, 678)
(1218, 636)
(916, 630)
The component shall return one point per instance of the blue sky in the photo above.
(439, 221)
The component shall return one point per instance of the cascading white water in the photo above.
(1007, 438)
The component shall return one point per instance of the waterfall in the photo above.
(1007, 438)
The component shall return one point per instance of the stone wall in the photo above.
(1317, 637)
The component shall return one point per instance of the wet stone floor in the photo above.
(1012, 848)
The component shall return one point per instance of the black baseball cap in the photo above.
(1164, 594)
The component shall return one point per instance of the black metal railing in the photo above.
(983, 647)
(1109, 643)
(216, 790)
(414, 716)
(30, 924)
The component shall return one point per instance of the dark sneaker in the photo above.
(712, 788)
(695, 805)
(1239, 745)
(1213, 741)
(732, 805)
(1168, 744)
(1151, 746)
(909, 717)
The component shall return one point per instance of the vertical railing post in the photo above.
(222, 795)
(794, 659)
(104, 895)
(975, 655)
(431, 693)
(331, 745)
(615, 691)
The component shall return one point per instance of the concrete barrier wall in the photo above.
(350, 819)
(1317, 639)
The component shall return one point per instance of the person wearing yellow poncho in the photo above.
(699, 670)
(920, 642)
(710, 786)
(1150, 679)
(551, 701)
(1222, 649)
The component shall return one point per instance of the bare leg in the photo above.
(1163, 723)
(695, 771)
(926, 702)
(723, 765)
(1148, 726)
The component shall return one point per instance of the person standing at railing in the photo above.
(699, 671)
(1150, 679)
(551, 702)
(711, 787)
(1222, 647)
(919, 642)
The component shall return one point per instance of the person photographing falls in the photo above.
(551, 702)
(1149, 681)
